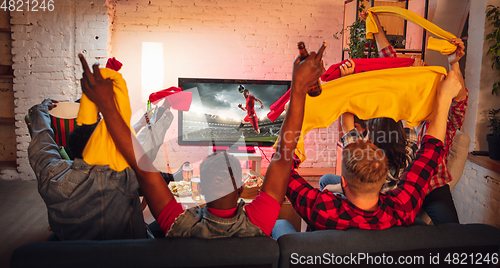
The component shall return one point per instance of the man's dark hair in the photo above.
(215, 175)
(245, 90)
(362, 123)
(78, 139)
(389, 136)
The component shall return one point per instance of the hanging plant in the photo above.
(493, 15)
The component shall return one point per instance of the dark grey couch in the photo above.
(418, 243)
(416, 240)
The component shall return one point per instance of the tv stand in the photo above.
(243, 153)
(233, 149)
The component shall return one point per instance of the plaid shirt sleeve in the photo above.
(350, 137)
(412, 139)
(320, 210)
(387, 52)
(456, 117)
(455, 120)
(408, 197)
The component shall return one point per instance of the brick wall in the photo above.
(248, 39)
(44, 48)
(7, 131)
(477, 195)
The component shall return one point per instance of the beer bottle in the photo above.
(314, 90)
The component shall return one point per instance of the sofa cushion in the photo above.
(168, 252)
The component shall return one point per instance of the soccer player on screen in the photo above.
(250, 109)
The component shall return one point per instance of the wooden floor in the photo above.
(23, 216)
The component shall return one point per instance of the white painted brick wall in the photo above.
(477, 196)
(45, 47)
(248, 39)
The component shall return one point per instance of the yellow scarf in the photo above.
(101, 149)
(443, 46)
(401, 94)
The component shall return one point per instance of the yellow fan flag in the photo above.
(101, 149)
(406, 93)
(442, 45)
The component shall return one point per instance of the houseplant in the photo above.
(358, 43)
(493, 15)
(494, 138)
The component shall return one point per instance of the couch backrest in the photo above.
(416, 240)
(168, 252)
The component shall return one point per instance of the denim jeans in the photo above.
(282, 227)
(329, 179)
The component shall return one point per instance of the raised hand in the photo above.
(459, 53)
(96, 88)
(347, 68)
(418, 62)
(363, 15)
(50, 103)
(308, 71)
(449, 87)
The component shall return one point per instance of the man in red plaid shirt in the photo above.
(365, 167)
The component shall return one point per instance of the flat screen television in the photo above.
(214, 116)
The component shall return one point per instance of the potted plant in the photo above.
(358, 44)
(494, 139)
(493, 15)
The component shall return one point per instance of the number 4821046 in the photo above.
(28, 5)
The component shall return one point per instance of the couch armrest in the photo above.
(458, 157)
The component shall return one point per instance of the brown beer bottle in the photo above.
(314, 90)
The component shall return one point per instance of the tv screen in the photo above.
(214, 117)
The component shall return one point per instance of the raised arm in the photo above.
(305, 73)
(100, 91)
(241, 107)
(453, 59)
(347, 121)
(259, 101)
(43, 152)
(380, 37)
(448, 88)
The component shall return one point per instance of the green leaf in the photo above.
(489, 13)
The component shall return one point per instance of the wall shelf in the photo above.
(7, 76)
(8, 164)
(7, 120)
(5, 30)
(485, 162)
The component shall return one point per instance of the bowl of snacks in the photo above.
(180, 188)
(251, 184)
